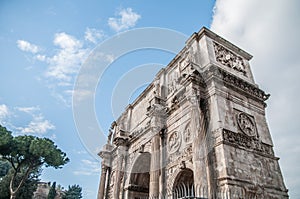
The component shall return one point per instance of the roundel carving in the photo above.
(246, 124)
(174, 142)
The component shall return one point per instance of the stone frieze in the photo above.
(247, 142)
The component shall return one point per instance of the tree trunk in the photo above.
(13, 192)
(12, 195)
(11, 189)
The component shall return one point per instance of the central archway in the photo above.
(140, 177)
(184, 184)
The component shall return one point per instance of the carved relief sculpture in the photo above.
(174, 142)
(228, 58)
(187, 135)
(246, 124)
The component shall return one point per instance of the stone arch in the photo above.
(176, 175)
(184, 184)
(139, 176)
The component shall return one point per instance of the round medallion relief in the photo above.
(246, 124)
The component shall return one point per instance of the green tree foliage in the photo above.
(4, 168)
(73, 192)
(26, 153)
(26, 191)
(52, 191)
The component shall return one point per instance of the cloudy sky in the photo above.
(44, 44)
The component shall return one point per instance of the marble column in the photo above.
(163, 162)
(108, 182)
(154, 167)
(102, 181)
(198, 128)
(118, 171)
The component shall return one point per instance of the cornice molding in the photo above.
(235, 82)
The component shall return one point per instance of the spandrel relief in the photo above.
(174, 142)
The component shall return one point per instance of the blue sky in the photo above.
(45, 43)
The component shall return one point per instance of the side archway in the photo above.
(184, 184)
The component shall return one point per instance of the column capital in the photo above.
(121, 138)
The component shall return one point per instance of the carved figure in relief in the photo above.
(187, 58)
(109, 136)
(238, 65)
(228, 58)
(246, 124)
(173, 81)
(157, 87)
(187, 135)
(174, 142)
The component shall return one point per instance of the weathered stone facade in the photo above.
(199, 129)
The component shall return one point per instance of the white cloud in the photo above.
(93, 35)
(109, 58)
(270, 31)
(127, 19)
(4, 113)
(88, 168)
(40, 57)
(80, 95)
(27, 47)
(30, 110)
(82, 152)
(64, 61)
(53, 137)
(63, 97)
(39, 125)
(66, 41)
(68, 59)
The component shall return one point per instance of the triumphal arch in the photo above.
(197, 131)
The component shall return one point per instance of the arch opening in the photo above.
(184, 185)
(140, 177)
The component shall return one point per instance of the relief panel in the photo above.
(228, 58)
(174, 142)
(173, 81)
